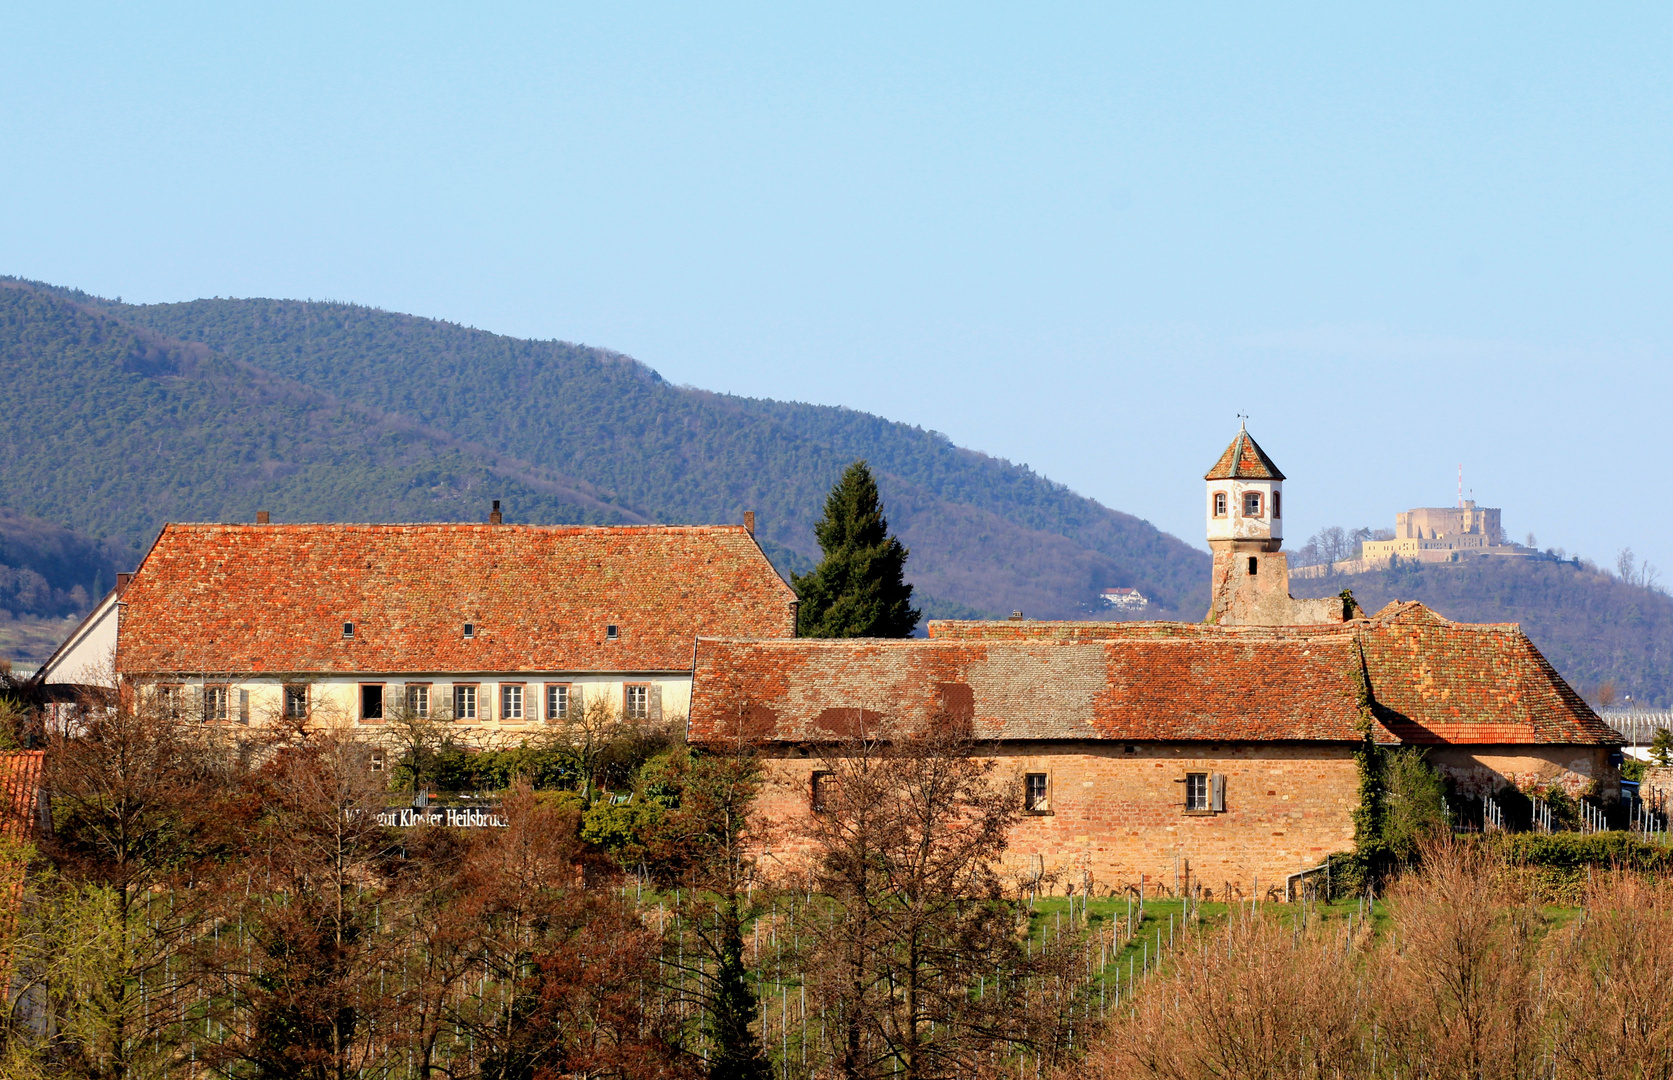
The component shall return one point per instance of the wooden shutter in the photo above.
(577, 702)
(1218, 805)
(655, 704)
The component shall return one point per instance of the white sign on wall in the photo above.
(453, 817)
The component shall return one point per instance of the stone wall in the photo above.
(1240, 598)
(1656, 789)
(1118, 814)
(1482, 770)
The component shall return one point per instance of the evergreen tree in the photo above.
(1661, 748)
(857, 590)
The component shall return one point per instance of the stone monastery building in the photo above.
(1135, 746)
(1132, 747)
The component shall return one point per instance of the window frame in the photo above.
(298, 694)
(1220, 506)
(1040, 803)
(216, 692)
(1277, 505)
(506, 691)
(410, 691)
(1259, 500)
(821, 795)
(459, 692)
(375, 760)
(549, 698)
(1198, 784)
(383, 703)
(168, 697)
(628, 691)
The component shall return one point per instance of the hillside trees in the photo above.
(858, 589)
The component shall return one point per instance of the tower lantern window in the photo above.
(1251, 504)
(1219, 504)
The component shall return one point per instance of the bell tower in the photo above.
(1245, 511)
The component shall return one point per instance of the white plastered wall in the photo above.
(1234, 526)
(335, 700)
(88, 656)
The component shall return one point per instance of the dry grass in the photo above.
(1465, 979)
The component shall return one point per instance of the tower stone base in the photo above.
(1251, 587)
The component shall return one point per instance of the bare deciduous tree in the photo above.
(916, 959)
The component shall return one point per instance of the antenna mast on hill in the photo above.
(1460, 485)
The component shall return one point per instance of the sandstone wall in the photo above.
(1482, 770)
(1656, 788)
(1116, 816)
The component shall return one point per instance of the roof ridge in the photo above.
(291, 525)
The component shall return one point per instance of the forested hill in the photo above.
(128, 416)
(1594, 627)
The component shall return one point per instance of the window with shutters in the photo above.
(371, 703)
(243, 706)
(464, 702)
(296, 702)
(511, 702)
(557, 701)
(418, 700)
(637, 702)
(1036, 793)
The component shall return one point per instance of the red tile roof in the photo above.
(1437, 681)
(1207, 688)
(1432, 681)
(1085, 630)
(20, 795)
(265, 599)
(22, 815)
(1244, 460)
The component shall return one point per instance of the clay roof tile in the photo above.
(1244, 460)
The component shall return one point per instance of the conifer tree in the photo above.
(857, 590)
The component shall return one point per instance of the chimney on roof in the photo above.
(1016, 616)
(749, 522)
(122, 583)
(261, 517)
(494, 514)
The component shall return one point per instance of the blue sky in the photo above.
(1400, 238)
